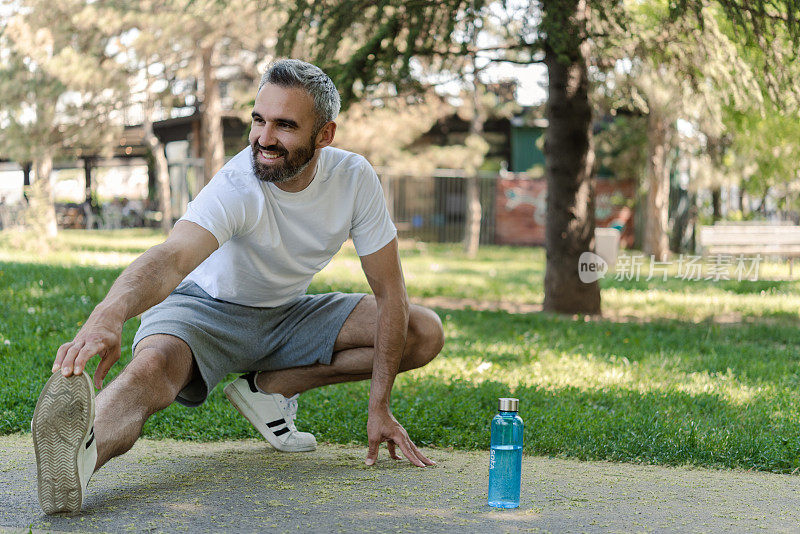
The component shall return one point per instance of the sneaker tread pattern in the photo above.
(60, 422)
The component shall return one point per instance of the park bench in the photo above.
(750, 239)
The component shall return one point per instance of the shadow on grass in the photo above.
(615, 424)
(756, 352)
(610, 424)
(739, 287)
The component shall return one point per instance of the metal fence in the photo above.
(430, 208)
(186, 180)
(434, 208)
(12, 215)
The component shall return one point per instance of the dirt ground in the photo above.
(246, 486)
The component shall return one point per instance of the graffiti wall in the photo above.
(521, 206)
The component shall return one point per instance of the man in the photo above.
(232, 277)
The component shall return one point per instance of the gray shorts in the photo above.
(231, 338)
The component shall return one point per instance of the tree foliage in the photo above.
(190, 49)
(667, 69)
(762, 152)
(363, 43)
(88, 61)
(57, 92)
(384, 129)
(57, 89)
(559, 32)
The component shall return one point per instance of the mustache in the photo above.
(270, 148)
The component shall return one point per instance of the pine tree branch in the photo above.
(536, 45)
(760, 12)
(516, 61)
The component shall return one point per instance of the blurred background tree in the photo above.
(564, 34)
(764, 150)
(57, 95)
(156, 55)
(413, 47)
(177, 53)
(669, 70)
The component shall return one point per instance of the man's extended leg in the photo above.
(74, 435)
(354, 351)
(162, 366)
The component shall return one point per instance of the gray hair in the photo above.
(296, 73)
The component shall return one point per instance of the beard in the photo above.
(292, 164)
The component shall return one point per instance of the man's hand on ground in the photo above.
(99, 336)
(382, 426)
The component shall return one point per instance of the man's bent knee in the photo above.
(425, 338)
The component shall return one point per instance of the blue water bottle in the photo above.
(505, 457)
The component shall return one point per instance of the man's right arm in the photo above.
(146, 282)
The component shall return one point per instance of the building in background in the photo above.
(429, 207)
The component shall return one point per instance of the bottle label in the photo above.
(491, 459)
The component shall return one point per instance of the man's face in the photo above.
(282, 134)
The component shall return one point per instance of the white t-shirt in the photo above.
(272, 242)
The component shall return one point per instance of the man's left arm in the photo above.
(385, 277)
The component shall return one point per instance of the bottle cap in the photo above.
(509, 405)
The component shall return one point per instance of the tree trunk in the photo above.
(569, 163)
(26, 174)
(742, 204)
(162, 173)
(90, 208)
(472, 235)
(762, 207)
(656, 239)
(716, 204)
(152, 182)
(44, 208)
(87, 180)
(691, 230)
(213, 141)
(26, 180)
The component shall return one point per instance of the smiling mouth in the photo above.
(269, 156)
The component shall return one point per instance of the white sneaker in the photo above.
(271, 413)
(63, 439)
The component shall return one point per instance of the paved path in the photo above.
(245, 486)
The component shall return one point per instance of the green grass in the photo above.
(677, 372)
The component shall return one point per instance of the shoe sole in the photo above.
(61, 424)
(241, 406)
